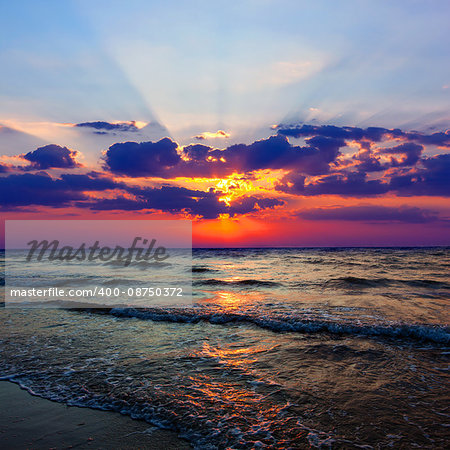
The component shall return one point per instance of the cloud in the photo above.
(220, 134)
(160, 159)
(40, 189)
(411, 153)
(317, 168)
(34, 189)
(92, 181)
(374, 134)
(372, 213)
(432, 180)
(440, 139)
(370, 161)
(19, 190)
(406, 171)
(105, 127)
(245, 205)
(277, 153)
(388, 161)
(351, 184)
(52, 156)
(146, 159)
(196, 152)
(174, 199)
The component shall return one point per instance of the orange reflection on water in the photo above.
(231, 301)
(231, 356)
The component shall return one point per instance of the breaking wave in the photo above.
(438, 334)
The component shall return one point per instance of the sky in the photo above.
(267, 123)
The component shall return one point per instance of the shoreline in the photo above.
(31, 422)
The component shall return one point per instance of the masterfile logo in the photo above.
(53, 251)
(98, 263)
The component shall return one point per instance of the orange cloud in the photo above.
(220, 134)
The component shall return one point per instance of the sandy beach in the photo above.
(30, 422)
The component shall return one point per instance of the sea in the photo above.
(279, 348)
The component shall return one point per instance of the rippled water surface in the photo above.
(280, 348)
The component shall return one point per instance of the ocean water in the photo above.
(280, 348)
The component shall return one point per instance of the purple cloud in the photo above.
(160, 159)
(350, 184)
(19, 190)
(52, 157)
(433, 180)
(316, 168)
(374, 134)
(409, 150)
(369, 160)
(174, 199)
(35, 189)
(104, 127)
(147, 159)
(40, 189)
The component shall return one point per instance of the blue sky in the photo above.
(201, 66)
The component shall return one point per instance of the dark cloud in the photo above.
(160, 159)
(41, 189)
(245, 205)
(176, 199)
(21, 190)
(374, 134)
(422, 176)
(369, 160)
(196, 152)
(146, 159)
(35, 189)
(89, 182)
(440, 139)
(105, 127)
(371, 213)
(119, 203)
(277, 153)
(316, 168)
(351, 184)
(319, 157)
(433, 180)
(411, 153)
(52, 156)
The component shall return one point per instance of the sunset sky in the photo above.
(268, 123)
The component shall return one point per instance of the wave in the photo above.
(438, 334)
(201, 269)
(249, 283)
(347, 282)
(350, 282)
(142, 265)
(202, 431)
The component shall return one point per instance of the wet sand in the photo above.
(30, 422)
